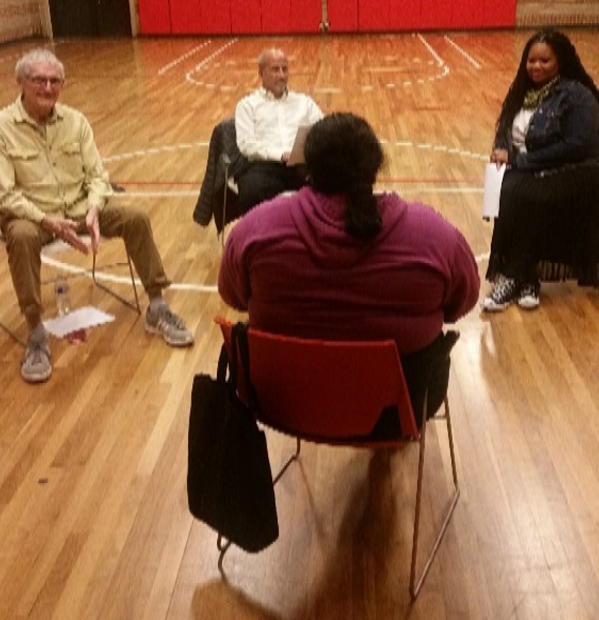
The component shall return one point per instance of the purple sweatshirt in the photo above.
(290, 263)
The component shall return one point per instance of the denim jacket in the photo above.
(563, 130)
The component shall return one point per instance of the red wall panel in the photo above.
(373, 15)
(343, 15)
(154, 17)
(186, 16)
(404, 14)
(216, 16)
(306, 15)
(467, 13)
(276, 16)
(246, 17)
(435, 14)
(499, 14)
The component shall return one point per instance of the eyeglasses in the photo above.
(40, 80)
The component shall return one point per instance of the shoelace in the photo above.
(172, 319)
(503, 288)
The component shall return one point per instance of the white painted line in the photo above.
(125, 280)
(431, 50)
(207, 60)
(467, 56)
(439, 190)
(382, 69)
(182, 58)
(173, 193)
(155, 151)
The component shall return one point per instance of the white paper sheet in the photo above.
(82, 318)
(493, 181)
(296, 156)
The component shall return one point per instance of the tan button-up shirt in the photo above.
(57, 170)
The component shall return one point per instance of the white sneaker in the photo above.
(505, 292)
(529, 296)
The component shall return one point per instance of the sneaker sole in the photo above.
(39, 377)
(529, 304)
(495, 307)
(155, 331)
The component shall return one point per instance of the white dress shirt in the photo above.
(266, 126)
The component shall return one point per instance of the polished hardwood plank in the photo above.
(93, 511)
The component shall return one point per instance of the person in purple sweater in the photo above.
(335, 261)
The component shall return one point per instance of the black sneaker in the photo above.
(505, 291)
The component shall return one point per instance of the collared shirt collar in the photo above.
(22, 116)
(270, 97)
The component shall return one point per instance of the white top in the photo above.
(266, 127)
(520, 127)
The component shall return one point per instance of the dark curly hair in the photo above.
(343, 156)
(570, 67)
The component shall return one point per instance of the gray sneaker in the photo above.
(36, 366)
(166, 323)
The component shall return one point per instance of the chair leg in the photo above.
(226, 189)
(223, 546)
(12, 334)
(416, 585)
(132, 304)
(290, 460)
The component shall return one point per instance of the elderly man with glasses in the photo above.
(53, 185)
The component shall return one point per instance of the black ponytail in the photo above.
(343, 156)
(362, 219)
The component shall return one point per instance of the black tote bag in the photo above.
(229, 480)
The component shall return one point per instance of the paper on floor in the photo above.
(82, 318)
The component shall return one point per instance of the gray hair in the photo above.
(271, 51)
(33, 57)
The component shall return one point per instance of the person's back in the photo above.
(335, 262)
(307, 277)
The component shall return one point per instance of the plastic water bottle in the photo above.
(63, 296)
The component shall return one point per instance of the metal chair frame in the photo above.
(60, 246)
(416, 579)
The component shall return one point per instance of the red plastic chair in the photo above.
(334, 393)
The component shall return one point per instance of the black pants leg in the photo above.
(265, 180)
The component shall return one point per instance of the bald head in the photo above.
(273, 71)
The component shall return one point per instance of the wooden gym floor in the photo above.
(93, 511)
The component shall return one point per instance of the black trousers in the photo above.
(265, 180)
(429, 366)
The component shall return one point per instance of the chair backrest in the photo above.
(325, 390)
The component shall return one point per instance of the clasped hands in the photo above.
(67, 230)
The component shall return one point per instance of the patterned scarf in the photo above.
(535, 96)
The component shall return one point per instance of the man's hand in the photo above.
(93, 228)
(65, 229)
(285, 157)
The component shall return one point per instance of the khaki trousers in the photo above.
(24, 241)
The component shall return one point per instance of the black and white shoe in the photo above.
(529, 296)
(505, 291)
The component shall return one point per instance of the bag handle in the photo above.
(240, 345)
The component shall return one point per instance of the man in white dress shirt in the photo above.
(266, 122)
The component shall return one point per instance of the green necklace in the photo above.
(534, 97)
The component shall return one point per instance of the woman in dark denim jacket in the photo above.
(548, 137)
